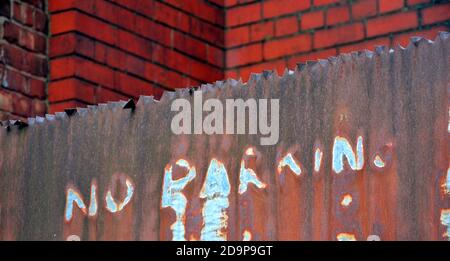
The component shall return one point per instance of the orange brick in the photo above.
(285, 26)
(338, 35)
(364, 8)
(337, 15)
(437, 13)
(243, 14)
(237, 36)
(273, 8)
(70, 89)
(312, 20)
(287, 46)
(261, 31)
(244, 55)
(392, 23)
(390, 5)
(76, 21)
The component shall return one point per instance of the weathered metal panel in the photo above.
(395, 104)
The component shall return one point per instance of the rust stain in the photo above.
(363, 154)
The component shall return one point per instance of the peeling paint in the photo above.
(250, 152)
(111, 204)
(373, 238)
(93, 203)
(246, 235)
(173, 197)
(248, 176)
(448, 126)
(378, 161)
(73, 196)
(215, 190)
(289, 161)
(447, 182)
(341, 149)
(346, 237)
(317, 159)
(63, 152)
(346, 200)
(445, 220)
(73, 238)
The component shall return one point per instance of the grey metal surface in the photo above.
(396, 101)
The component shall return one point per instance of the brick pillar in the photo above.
(107, 50)
(23, 62)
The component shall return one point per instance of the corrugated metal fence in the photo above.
(363, 153)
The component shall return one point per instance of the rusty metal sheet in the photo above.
(99, 173)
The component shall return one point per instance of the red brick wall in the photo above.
(23, 62)
(103, 50)
(280, 33)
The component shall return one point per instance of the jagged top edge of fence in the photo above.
(415, 42)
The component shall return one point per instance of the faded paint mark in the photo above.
(317, 160)
(183, 163)
(373, 238)
(250, 152)
(341, 148)
(448, 127)
(289, 161)
(378, 161)
(216, 190)
(446, 185)
(346, 200)
(346, 237)
(73, 238)
(174, 198)
(93, 203)
(248, 176)
(111, 204)
(445, 220)
(72, 196)
(246, 236)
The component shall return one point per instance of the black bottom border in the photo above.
(224, 250)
